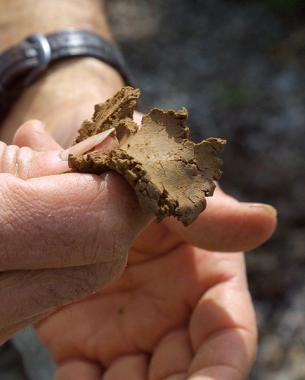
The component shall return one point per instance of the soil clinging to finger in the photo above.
(170, 174)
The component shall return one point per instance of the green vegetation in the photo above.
(234, 97)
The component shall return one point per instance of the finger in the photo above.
(66, 220)
(137, 117)
(223, 330)
(79, 369)
(228, 225)
(95, 141)
(218, 373)
(172, 356)
(26, 163)
(128, 367)
(32, 134)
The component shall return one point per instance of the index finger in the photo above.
(66, 220)
(25, 163)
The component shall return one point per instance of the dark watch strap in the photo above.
(21, 64)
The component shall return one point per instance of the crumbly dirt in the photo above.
(170, 174)
(116, 112)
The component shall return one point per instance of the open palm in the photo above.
(178, 312)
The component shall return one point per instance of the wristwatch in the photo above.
(22, 64)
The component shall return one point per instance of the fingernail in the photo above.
(86, 145)
(102, 136)
(264, 206)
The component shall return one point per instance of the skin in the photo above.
(180, 309)
(174, 306)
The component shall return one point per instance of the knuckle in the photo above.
(14, 161)
(8, 158)
(23, 162)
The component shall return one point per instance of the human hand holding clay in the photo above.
(181, 309)
(59, 233)
(173, 304)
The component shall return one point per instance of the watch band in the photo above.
(21, 64)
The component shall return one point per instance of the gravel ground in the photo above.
(239, 69)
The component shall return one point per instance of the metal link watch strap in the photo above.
(21, 64)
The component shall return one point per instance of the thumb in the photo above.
(33, 134)
(27, 162)
(228, 225)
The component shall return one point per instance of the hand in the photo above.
(62, 236)
(177, 308)
(177, 312)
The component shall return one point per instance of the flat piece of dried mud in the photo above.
(170, 174)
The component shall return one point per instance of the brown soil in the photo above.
(170, 174)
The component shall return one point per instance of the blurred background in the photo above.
(239, 68)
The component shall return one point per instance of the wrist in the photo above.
(46, 17)
(65, 94)
(63, 97)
